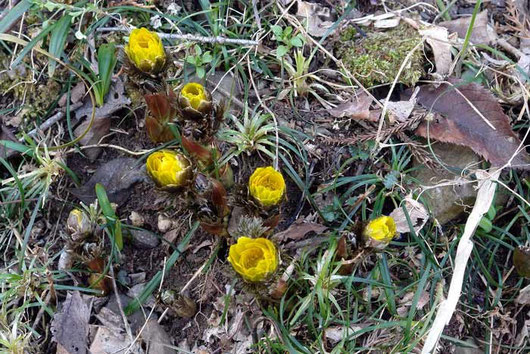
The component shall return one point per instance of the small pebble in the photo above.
(136, 219)
(164, 223)
(144, 239)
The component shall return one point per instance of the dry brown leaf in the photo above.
(298, 230)
(76, 95)
(318, 17)
(100, 128)
(115, 100)
(157, 339)
(524, 296)
(461, 124)
(357, 107)
(6, 134)
(70, 326)
(481, 34)
(108, 341)
(117, 176)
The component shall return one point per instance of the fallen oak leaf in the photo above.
(100, 127)
(319, 18)
(463, 109)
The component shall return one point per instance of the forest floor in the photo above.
(413, 110)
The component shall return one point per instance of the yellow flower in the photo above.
(194, 101)
(382, 229)
(267, 186)
(146, 51)
(168, 169)
(254, 258)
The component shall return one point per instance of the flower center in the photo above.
(143, 42)
(251, 257)
(193, 91)
(270, 183)
(168, 162)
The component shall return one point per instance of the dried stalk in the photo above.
(410, 124)
(189, 37)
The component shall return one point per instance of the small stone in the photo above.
(136, 219)
(164, 223)
(144, 239)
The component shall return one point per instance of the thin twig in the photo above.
(120, 307)
(189, 37)
(52, 120)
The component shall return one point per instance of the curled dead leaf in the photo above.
(482, 33)
(357, 107)
(417, 212)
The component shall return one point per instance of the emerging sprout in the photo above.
(195, 102)
(79, 225)
(382, 229)
(161, 112)
(267, 186)
(255, 259)
(145, 51)
(168, 169)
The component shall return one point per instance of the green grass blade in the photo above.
(57, 41)
(110, 215)
(106, 62)
(14, 14)
(33, 43)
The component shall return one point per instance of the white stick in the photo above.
(487, 185)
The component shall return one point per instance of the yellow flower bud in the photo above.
(254, 259)
(78, 224)
(382, 229)
(145, 51)
(194, 101)
(267, 186)
(168, 169)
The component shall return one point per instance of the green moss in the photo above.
(376, 58)
(35, 97)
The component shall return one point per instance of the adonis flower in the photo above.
(267, 186)
(195, 101)
(79, 224)
(145, 51)
(254, 259)
(168, 169)
(382, 229)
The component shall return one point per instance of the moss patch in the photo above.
(376, 58)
